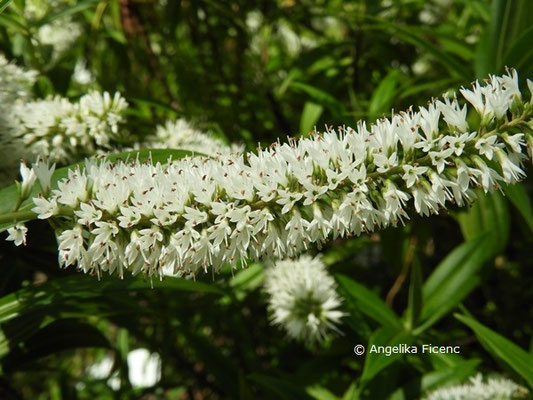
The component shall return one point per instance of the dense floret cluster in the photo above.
(197, 212)
(479, 389)
(302, 298)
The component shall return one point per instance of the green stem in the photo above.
(17, 216)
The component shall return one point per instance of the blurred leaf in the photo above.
(281, 388)
(509, 19)
(488, 214)
(219, 365)
(375, 362)
(310, 115)
(425, 40)
(383, 96)
(367, 302)
(66, 11)
(11, 21)
(320, 97)
(520, 199)
(502, 348)
(80, 286)
(414, 307)
(54, 337)
(4, 4)
(453, 279)
(321, 393)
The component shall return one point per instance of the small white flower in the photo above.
(302, 298)
(486, 146)
(44, 172)
(412, 174)
(17, 234)
(28, 180)
(45, 208)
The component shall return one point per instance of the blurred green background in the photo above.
(252, 72)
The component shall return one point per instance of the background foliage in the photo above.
(251, 72)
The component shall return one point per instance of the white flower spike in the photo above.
(195, 213)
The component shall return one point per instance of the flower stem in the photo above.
(17, 216)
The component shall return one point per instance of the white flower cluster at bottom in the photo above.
(302, 298)
(478, 389)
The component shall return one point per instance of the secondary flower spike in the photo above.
(302, 298)
(196, 213)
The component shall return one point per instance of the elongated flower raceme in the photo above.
(496, 388)
(302, 298)
(197, 212)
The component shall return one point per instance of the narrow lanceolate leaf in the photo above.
(4, 4)
(453, 279)
(488, 215)
(500, 347)
(376, 360)
(520, 199)
(414, 307)
(367, 302)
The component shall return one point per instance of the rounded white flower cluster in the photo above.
(63, 131)
(477, 389)
(195, 212)
(180, 134)
(15, 82)
(302, 298)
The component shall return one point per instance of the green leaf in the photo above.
(11, 21)
(414, 307)
(385, 336)
(281, 388)
(320, 97)
(424, 40)
(85, 287)
(310, 115)
(500, 347)
(520, 199)
(54, 337)
(4, 4)
(488, 214)
(367, 302)
(383, 97)
(66, 11)
(321, 393)
(453, 279)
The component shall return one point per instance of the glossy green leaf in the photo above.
(310, 115)
(453, 279)
(517, 358)
(367, 302)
